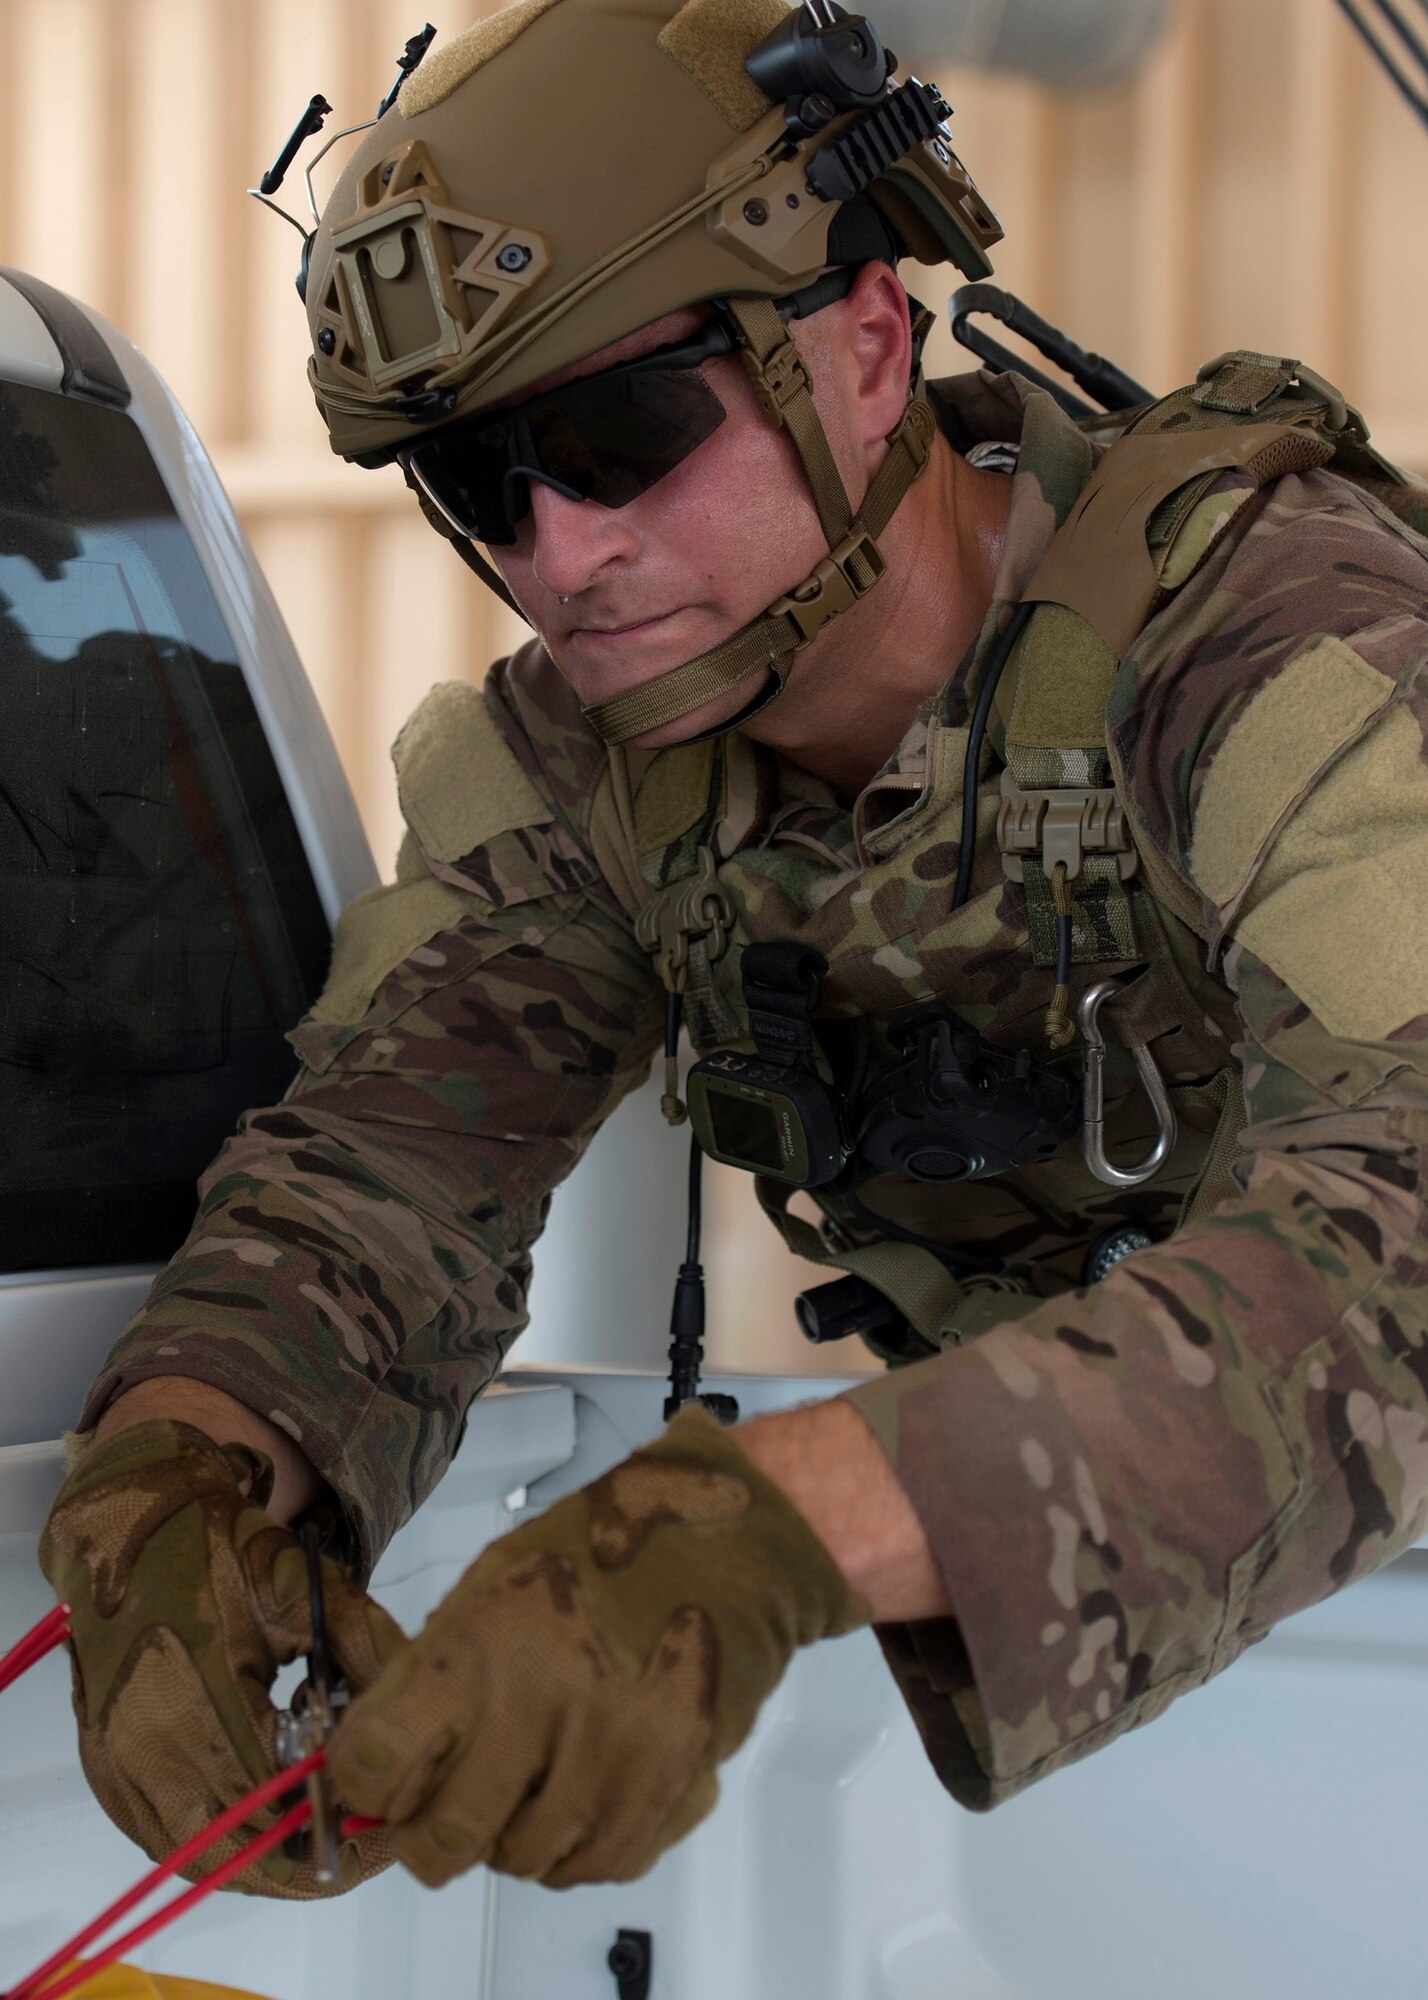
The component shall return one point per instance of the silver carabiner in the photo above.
(1093, 1138)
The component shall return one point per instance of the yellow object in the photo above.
(131, 1982)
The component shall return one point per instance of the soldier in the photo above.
(897, 732)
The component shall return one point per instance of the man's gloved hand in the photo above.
(561, 1714)
(185, 1598)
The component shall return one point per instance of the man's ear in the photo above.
(879, 334)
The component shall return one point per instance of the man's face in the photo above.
(618, 595)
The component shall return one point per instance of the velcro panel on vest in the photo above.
(1056, 740)
(1063, 673)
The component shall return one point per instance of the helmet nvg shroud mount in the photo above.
(569, 171)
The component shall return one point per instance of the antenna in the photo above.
(1391, 61)
(407, 61)
(315, 112)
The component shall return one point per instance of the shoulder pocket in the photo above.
(396, 944)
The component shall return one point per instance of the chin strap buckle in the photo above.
(778, 378)
(845, 575)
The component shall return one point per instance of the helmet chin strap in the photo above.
(765, 649)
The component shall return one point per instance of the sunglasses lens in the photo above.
(608, 438)
(463, 471)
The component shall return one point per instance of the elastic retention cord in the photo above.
(996, 667)
(672, 1104)
(1059, 1026)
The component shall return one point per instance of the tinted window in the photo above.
(159, 928)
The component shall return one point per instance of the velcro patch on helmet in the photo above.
(710, 39)
(448, 68)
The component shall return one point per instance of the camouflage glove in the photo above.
(185, 1598)
(561, 1715)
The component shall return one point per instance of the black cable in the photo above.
(696, 1177)
(686, 1319)
(1407, 35)
(673, 1018)
(1063, 950)
(319, 1662)
(1385, 60)
(996, 667)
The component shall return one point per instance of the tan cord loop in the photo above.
(1060, 1030)
(672, 1104)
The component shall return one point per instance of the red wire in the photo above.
(289, 1823)
(51, 1631)
(198, 1843)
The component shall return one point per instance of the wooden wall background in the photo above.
(1259, 185)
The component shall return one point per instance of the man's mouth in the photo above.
(634, 629)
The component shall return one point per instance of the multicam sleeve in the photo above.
(1135, 1482)
(359, 1262)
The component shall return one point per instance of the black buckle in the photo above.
(783, 986)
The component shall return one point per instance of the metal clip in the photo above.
(1093, 1138)
(669, 924)
(1062, 825)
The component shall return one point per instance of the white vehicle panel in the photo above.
(1259, 1840)
(27, 354)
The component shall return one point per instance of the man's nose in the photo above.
(575, 539)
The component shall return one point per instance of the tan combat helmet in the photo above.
(569, 171)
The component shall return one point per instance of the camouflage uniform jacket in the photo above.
(1124, 1485)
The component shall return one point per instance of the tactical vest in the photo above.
(1144, 524)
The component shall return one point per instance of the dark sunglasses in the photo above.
(607, 437)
